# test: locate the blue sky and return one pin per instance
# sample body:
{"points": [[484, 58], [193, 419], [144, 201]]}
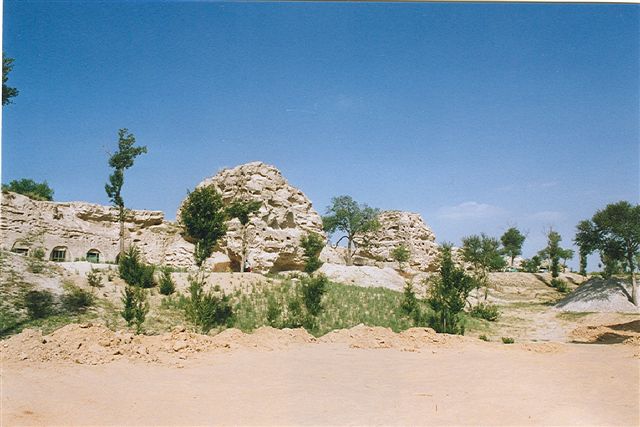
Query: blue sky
{"points": [[477, 116]]}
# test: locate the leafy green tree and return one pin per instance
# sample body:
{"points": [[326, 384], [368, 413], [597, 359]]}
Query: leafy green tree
{"points": [[587, 240], [448, 295], [552, 251], [203, 216], [565, 255], [30, 188], [353, 219], [243, 210], [120, 161], [401, 255], [512, 241], [312, 244], [484, 254], [616, 233], [7, 91], [135, 306]]}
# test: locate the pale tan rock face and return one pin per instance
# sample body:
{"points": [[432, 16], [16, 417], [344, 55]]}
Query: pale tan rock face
{"points": [[274, 233], [399, 228], [81, 228]]}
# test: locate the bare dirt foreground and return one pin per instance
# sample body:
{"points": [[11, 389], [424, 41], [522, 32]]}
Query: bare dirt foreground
{"points": [[361, 376]]}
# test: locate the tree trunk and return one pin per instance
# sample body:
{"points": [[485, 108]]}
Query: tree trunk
{"points": [[121, 231], [349, 260], [243, 258], [634, 284]]}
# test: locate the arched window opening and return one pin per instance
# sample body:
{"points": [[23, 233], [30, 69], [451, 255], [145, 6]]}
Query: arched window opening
{"points": [[59, 254], [93, 255]]}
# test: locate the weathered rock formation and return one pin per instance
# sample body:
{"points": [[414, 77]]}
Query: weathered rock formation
{"points": [[273, 234], [398, 228], [271, 241], [68, 231]]}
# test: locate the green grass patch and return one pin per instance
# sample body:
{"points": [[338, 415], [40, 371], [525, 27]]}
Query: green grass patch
{"points": [[344, 306]]}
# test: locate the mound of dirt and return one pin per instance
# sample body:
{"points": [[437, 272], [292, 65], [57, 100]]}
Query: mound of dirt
{"points": [[96, 344], [622, 333], [413, 339], [264, 338], [598, 295]]}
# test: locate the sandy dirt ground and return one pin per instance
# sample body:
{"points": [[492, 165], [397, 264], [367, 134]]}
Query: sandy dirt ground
{"points": [[331, 383]]}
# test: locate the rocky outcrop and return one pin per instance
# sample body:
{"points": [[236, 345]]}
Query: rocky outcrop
{"points": [[273, 234], [398, 228], [78, 230]]}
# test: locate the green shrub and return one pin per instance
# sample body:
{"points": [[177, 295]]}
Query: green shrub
{"points": [[274, 311], [76, 300], [411, 305], [39, 304], [532, 265], [312, 244], [401, 254], [135, 306], [35, 261], [134, 271], [167, 286], [485, 311], [448, 295], [483, 338], [313, 288], [560, 285], [38, 253], [30, 188], [94, 278], [207, 309], [508, 340]]}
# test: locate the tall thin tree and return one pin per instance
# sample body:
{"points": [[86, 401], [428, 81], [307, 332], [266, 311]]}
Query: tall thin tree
{"points": [[120, 161]]}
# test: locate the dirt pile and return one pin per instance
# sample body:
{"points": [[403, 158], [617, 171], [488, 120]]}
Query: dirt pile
{"points": [[413, 339], [622, 333], [96, 344], [600, 295]]}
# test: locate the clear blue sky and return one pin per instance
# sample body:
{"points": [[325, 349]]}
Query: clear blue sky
{"points": [[477, 116]]}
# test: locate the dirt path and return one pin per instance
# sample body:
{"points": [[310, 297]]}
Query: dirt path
{"points": [[331, 384]]}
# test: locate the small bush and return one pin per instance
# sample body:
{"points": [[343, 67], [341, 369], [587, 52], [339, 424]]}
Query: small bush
{"points": [[401, 254], [485, 311], [76, 300], [559, 285], [94, 278], [38, 253], [206, 309], [136, 307], [312, 244], [134, 271], [411, 306], [508, 340], [167, 286], [35, 262], [483, 338], [274, 311], [39, 304], [313, 288]]}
